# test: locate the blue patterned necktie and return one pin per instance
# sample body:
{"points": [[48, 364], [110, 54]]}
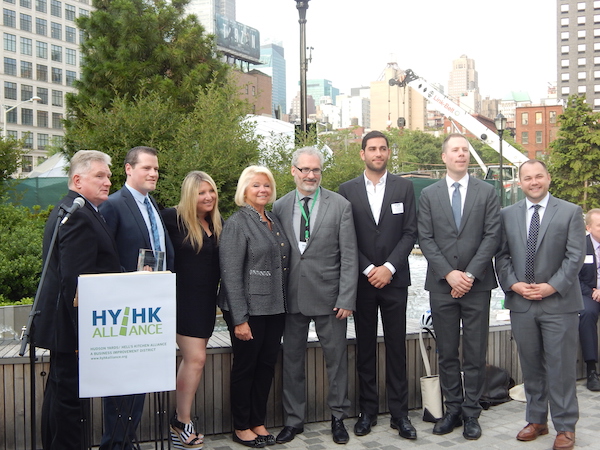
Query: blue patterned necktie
{"points": [[456, 204], [534, 229], [153, 226]]}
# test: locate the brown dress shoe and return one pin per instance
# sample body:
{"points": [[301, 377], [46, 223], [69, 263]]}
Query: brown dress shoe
{"points": [[565, 440], [532, 431]]}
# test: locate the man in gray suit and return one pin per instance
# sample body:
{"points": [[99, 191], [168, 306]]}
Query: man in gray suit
{"points": [[321, 287], [459, 233], [542, 250]]}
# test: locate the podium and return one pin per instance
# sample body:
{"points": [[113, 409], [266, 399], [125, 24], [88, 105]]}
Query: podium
{"points": [[127, 341]]}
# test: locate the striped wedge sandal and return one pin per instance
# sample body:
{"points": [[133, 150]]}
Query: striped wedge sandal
{"points": [[184, 436]]}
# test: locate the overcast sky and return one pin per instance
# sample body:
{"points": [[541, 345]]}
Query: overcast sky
{"points": [[513, 42]]}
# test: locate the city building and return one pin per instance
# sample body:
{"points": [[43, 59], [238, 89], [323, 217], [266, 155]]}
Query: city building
{"points": [[41, 59], [463, 84], [319, 88], [390, 103], [311, 108], [578, 50], [536, 127], [207, 10], [509, 104], [272, 60], [238, 43], [354, 111], [328, 113], [490, 107], [256, 88]]}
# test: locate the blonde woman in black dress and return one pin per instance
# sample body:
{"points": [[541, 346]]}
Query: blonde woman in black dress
{"points": [[194, 227]]}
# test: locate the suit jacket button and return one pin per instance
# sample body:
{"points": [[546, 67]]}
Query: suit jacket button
{"points": [[282, 244]]}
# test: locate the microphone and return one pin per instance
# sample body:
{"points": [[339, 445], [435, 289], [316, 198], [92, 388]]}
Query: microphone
{"points": [[77, 203]]}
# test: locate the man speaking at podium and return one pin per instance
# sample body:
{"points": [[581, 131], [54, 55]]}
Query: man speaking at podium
{"points": [[84, 245]]}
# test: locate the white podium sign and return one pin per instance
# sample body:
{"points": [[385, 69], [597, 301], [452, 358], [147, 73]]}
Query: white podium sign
{"points": [[126, 333]]}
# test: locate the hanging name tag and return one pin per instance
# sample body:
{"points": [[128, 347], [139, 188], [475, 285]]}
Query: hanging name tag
{"points": [[397, 208], [301, 246]]}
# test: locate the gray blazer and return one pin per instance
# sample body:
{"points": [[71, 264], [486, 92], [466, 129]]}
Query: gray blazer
{"points": [[470, 248], [559, 256], [254, 266], [324, 276]]}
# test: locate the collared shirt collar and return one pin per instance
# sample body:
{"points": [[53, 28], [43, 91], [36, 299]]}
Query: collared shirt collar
{"points": [[381, 181], [136, 194], [464, 181], [543, 202]]}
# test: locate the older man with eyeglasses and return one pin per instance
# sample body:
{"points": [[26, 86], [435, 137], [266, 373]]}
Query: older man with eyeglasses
{"points": [[321, 288]]}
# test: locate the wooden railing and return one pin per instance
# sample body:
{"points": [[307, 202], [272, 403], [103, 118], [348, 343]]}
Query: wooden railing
{"points": [[213, 399]]}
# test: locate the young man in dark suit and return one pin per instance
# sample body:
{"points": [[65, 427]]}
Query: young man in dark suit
{"points": [[132, 215], [589, 280], [459, 233], [542, 251], [385, 219], [84, 245]]}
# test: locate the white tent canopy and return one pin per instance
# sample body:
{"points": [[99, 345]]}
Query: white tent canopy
{"points": [[55, 166]]}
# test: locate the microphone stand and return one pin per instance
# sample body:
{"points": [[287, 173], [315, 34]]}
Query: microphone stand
{"points": [[28, 333]]}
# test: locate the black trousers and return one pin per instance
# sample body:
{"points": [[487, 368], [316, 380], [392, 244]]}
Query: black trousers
{"points": [[253, 368], [588, 328], [391, 301], [62, 410]]}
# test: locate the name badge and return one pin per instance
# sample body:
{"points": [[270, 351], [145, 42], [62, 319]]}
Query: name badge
{"points": [[301, 246], [589, 259], [397, 208]]}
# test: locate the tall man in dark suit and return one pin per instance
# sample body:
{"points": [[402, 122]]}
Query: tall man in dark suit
{"points": [[84, 245], [542, 251], [385, 218], [459, 233], [321, 287], [132, 215], [589, 280]]}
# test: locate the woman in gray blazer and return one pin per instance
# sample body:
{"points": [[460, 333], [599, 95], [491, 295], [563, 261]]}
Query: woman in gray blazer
{"points": [[254, 255]]}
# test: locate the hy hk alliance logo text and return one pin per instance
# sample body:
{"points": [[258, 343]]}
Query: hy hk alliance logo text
{"points": [[111, 323]]}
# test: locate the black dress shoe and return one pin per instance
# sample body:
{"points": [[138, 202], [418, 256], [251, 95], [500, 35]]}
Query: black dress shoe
{"points": [[447, 423], [269, 439], [593, 383], [288, 434], [363, 425], [472, 429], [404, 427], [254, 443], [338, 431]]}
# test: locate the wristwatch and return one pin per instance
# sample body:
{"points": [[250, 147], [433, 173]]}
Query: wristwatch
{"points": [[470, 275]]}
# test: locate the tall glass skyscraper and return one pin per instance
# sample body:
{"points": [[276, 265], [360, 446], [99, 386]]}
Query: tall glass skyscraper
{"points": [[273, 64]]}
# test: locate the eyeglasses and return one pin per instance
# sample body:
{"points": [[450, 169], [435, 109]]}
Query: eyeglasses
{"points": [[306, 170]]}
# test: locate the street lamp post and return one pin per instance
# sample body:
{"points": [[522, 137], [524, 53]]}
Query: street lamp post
{"points": [[302, 6], [8, 109], [500, 123]]}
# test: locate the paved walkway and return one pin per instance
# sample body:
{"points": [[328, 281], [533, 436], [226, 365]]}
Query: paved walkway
{"points": [[500, 425]]}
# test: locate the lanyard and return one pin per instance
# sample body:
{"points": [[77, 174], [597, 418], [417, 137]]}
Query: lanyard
{"points": [[307, 218]]}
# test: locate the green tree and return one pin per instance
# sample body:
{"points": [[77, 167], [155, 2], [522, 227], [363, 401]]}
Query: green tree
{"points": [[21, 233], [212, 137], [11, 152], [134, 47], [150, 76], [574, 161]]}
